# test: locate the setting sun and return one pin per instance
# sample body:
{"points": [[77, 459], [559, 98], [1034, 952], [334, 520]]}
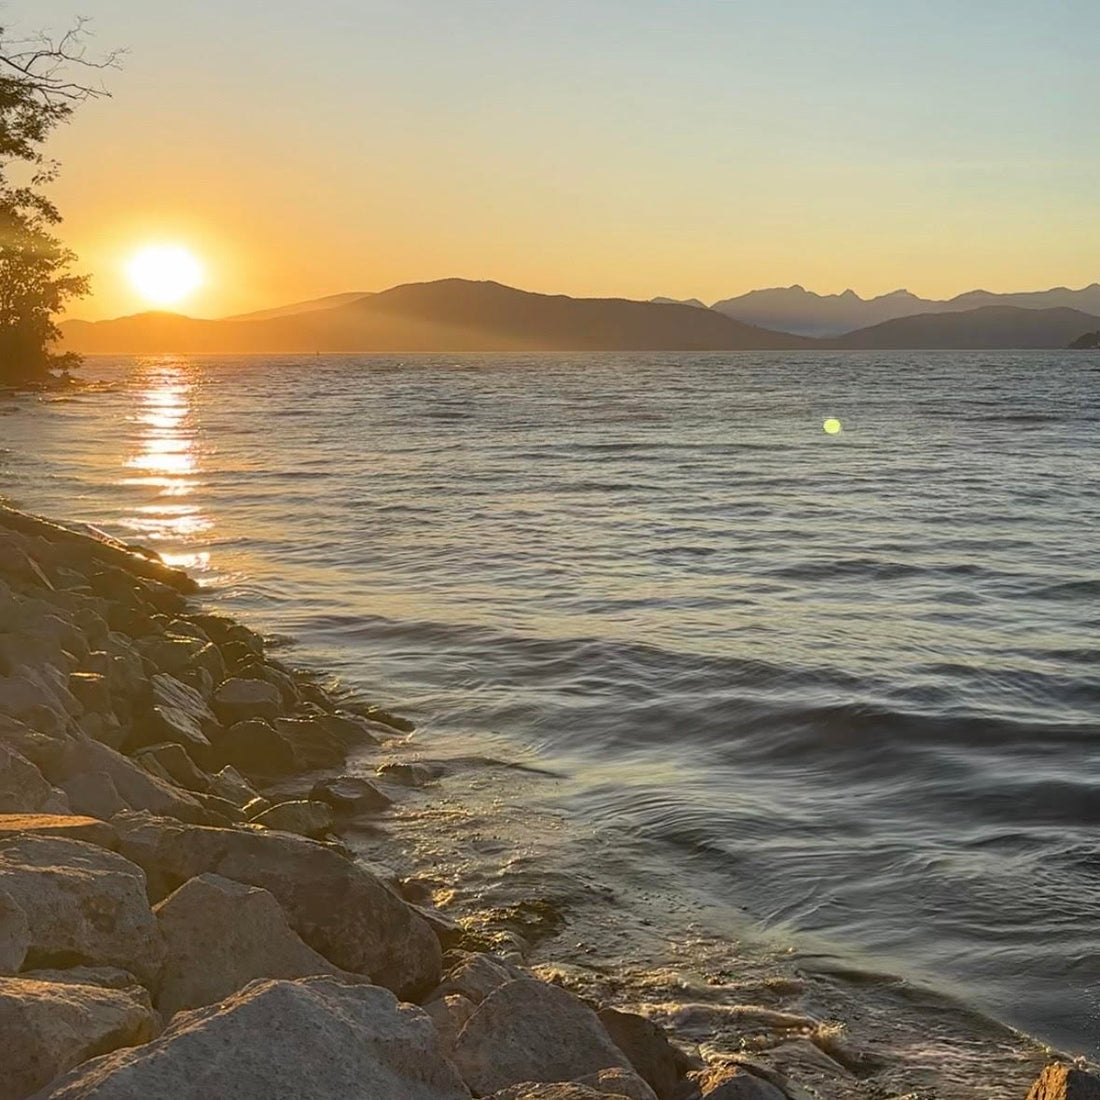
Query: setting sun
{"points": [[164, 274]]}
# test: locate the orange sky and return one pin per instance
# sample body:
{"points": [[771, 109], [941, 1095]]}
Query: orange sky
{"points": [[597, 148]]}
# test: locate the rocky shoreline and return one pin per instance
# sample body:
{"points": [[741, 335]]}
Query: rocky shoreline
{"points": [[180, 917]]}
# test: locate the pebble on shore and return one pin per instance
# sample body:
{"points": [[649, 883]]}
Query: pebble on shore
{"points": [[171, 927]]}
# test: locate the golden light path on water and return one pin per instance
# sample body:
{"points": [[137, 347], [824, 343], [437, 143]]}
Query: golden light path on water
{"points": [[167, 461]]}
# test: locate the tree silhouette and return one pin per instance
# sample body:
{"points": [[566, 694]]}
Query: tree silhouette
{"points": [[37, 93]]}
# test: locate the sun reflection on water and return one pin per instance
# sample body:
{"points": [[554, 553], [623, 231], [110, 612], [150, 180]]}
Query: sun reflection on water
{"points": [[165, 467]]}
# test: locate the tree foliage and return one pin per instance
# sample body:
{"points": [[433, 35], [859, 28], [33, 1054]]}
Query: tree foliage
{"points": [[37, 93]]}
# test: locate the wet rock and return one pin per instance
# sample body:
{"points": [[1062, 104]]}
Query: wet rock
{"points": [[354, 730], [239, 700], [449, 1015], [219, 935], [176, 765], [407, 775], [647, 1047], [50, 1027], [314, 745], [530, 1031], [255, 747], [736, 1083], [477, 975], [314, 1039], [23, 788], [84, 904], [67, 826], [15, 936], [1059, 1081], [300, 816], [447, 930], [382, 717], [94, 794], [340, 909], [350, 794]]}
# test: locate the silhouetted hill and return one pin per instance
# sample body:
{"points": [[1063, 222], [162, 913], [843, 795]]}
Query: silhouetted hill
{"points": [[1086, 341], [988, 327], [451, 315], [331, 301], [795, 309]]}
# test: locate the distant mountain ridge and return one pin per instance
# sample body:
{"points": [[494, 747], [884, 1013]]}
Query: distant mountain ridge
{"points": [[802, 312], [450, 315]]}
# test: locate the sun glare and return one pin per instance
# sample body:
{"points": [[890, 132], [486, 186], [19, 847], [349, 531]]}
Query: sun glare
{"points": [[165, 273]]}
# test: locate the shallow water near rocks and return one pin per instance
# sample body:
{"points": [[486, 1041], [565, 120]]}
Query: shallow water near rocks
{"points": [[833, 698]]}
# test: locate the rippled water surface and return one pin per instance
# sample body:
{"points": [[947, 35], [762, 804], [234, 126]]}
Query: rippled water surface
{"points": [[846, 683]]}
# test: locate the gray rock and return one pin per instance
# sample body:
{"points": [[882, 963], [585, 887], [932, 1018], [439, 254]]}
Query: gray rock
{"points": [[107, 977], [94, 794], [1059, 1081], [340, 909], [15, 936], [645, 1044], [228, 783], [92, 690], [238, 700], [256, 748], [178, 713], [350, 794], [618, 1082], [736, 1083], [219, 935], [138, 789], [314, 744], [300, 816], [449, 1015], [84, 905], [23, 788], [314, 1039], [50, 1027], [176, 765], [559, 1090], [478, 975], [530, 1031]]}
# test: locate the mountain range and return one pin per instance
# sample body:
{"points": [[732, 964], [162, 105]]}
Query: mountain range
{"points": [[797, 310], [458, 315]]}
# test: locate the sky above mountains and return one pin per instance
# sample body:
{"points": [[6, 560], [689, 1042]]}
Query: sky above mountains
{"points": [[604, 147]]}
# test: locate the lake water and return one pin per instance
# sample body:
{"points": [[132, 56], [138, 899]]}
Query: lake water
{"points": [[847, 684]]}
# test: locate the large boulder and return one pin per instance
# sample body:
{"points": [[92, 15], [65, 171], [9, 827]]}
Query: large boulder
{"points": [[449, 1015], [653, 1057], [338, 907], [94, 794], [238, 700], [531, 1031], [49, 1027], [477, 975], [84, 905], [15, 936], [23, 789], [257, 748], [219, 935], [1059, 1081], [177, 713], [314, 1039]]}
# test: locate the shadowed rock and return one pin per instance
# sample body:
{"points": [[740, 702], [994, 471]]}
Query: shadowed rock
{"points": [[238, 700], [301, 816], [653, 1057]]}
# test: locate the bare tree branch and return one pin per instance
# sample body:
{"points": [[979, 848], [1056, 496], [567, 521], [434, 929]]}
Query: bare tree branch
{"points": [[45, 63]]}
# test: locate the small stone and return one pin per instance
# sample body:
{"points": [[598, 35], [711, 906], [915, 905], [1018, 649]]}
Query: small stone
{"points": [[407, 775]]}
